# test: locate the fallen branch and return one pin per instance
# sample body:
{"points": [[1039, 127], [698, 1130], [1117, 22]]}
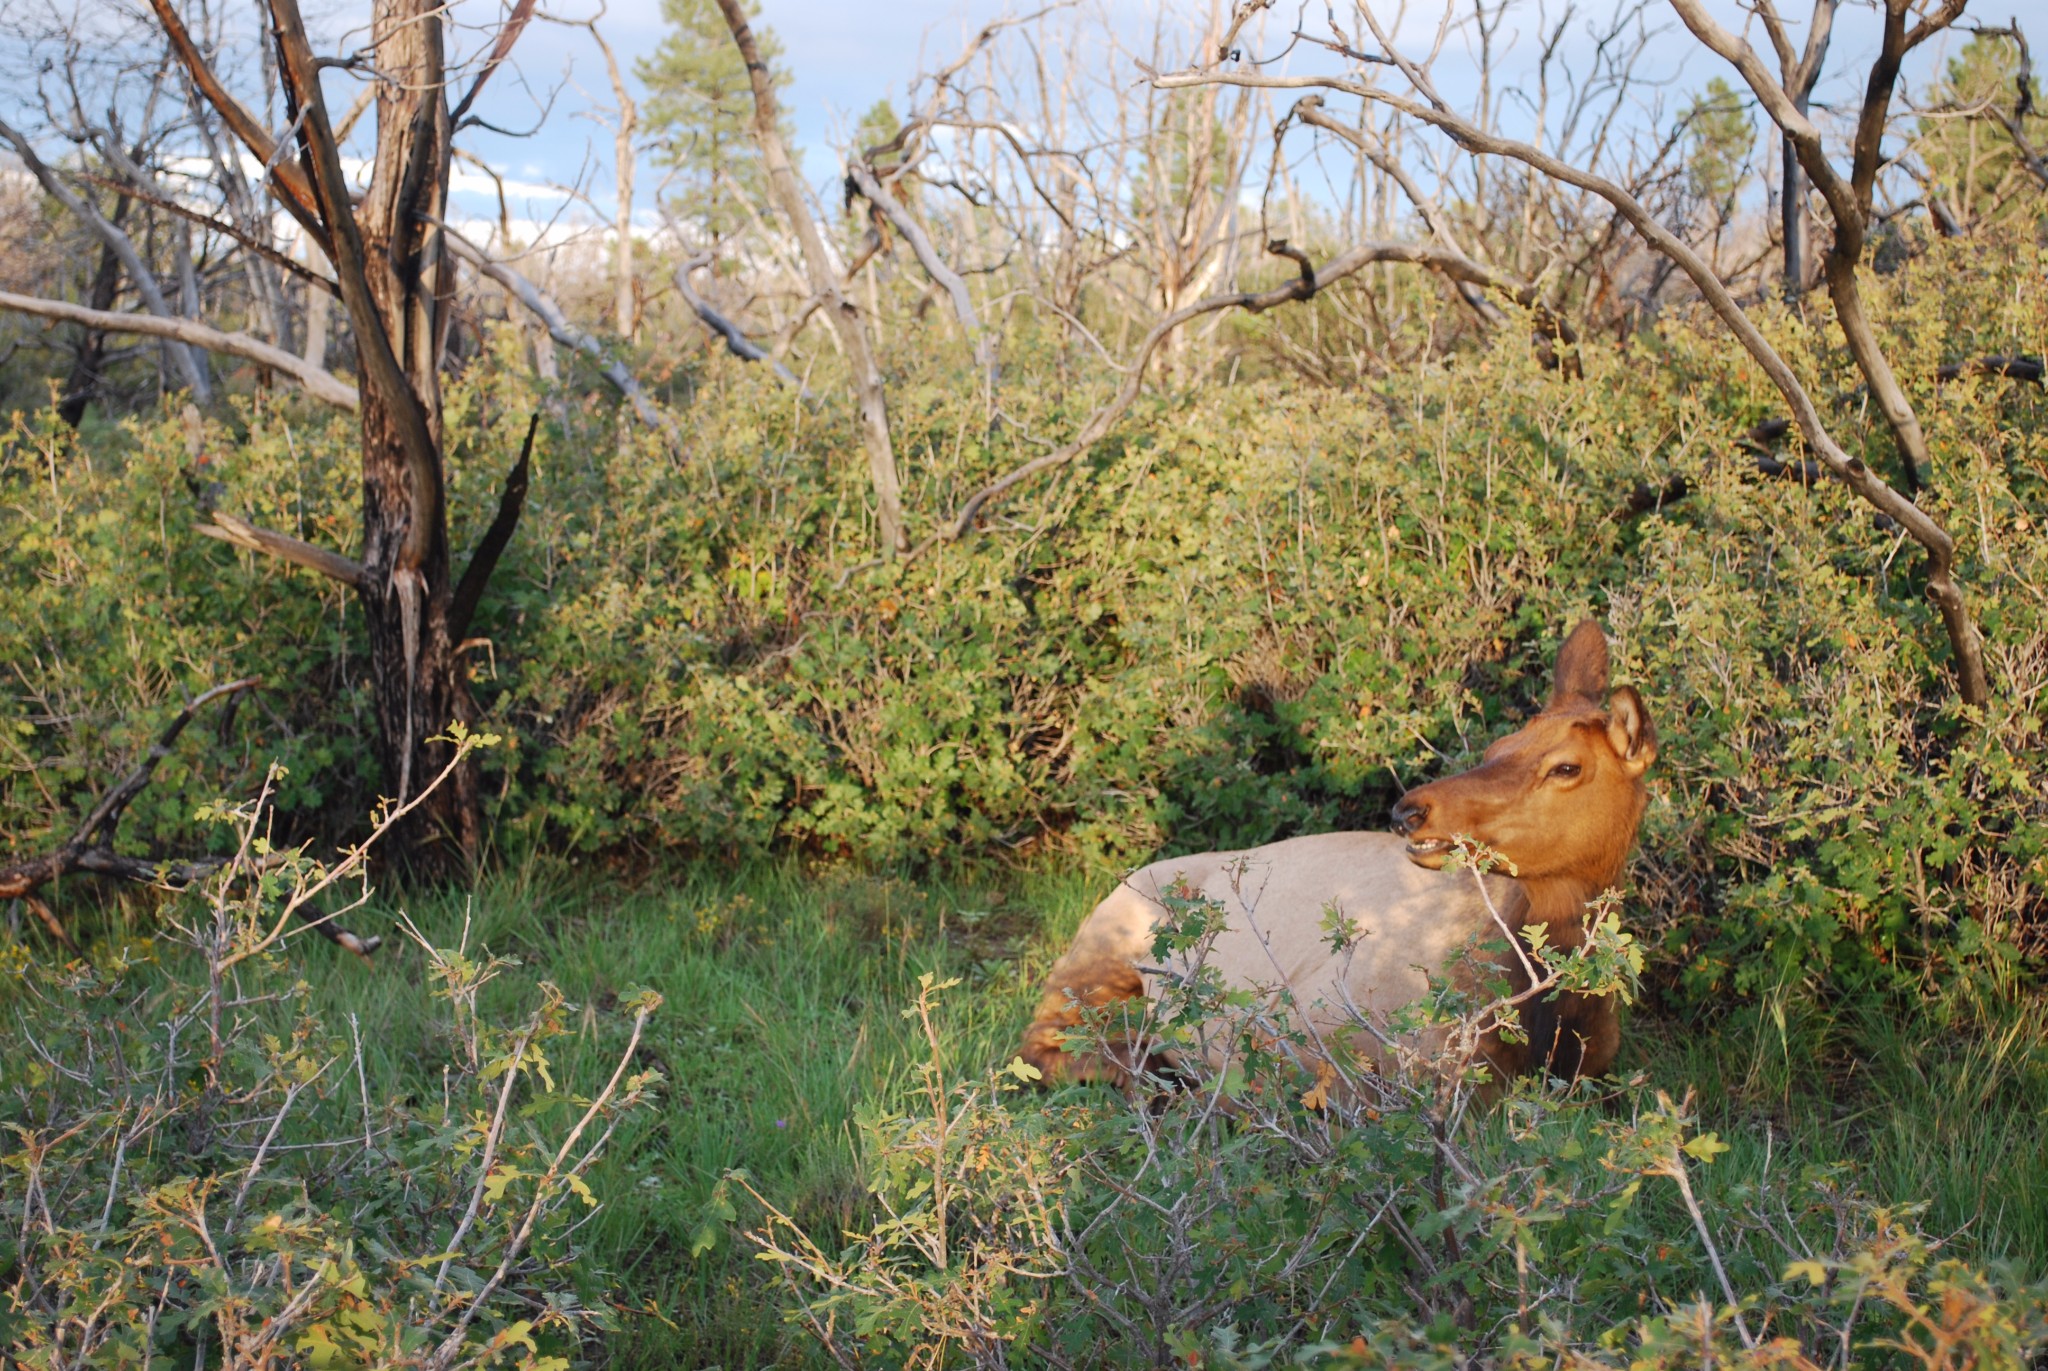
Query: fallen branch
{"points": [[2015, 368], [90, 850], [1758, 443], [543, 307], [321, 385], [736, 342]]}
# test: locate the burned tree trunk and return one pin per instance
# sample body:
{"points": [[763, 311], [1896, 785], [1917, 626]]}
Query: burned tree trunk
{"points": [[396, 280], [406, 582]]}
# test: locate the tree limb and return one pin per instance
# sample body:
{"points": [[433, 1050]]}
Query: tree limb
{"points": [[228, 529], [1972, 683], [90, 849], [156, 197], [736, 342], [846, 321], [191, 366], [1757, 443], [864, 180], [2016, 368], [321, 385], [287, 178], [543, 306], [469, 592], [1301, 287], [515, 24]]}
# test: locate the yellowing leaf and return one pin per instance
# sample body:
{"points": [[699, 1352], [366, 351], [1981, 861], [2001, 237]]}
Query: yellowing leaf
{"points": [[1705, 1147], [1317, 1096]]}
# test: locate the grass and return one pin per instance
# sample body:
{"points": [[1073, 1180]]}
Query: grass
{"points": [[784, 986], [782, 989]]}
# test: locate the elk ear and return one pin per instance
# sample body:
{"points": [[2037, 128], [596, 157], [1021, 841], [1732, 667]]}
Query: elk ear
{"points": [[1581, 666], [1630, 732]]}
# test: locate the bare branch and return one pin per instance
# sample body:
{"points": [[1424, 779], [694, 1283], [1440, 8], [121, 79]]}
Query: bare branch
{"points": [[484, 561], [864, 179], [190, 365], [90, 850], [1854, 471], [846, 321], [228, 529], [515, 24], [543, 306], [286, 177], [736, 342], [321, 385], [1302, 287]]}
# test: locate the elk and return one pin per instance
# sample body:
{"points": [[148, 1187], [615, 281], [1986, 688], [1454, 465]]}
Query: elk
{"points": [[1559, 799]]}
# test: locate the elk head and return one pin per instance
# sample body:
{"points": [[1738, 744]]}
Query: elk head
{"points": [[1560, 797]]}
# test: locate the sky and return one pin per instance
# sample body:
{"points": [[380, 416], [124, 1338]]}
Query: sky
{"points": [[846, 54]]}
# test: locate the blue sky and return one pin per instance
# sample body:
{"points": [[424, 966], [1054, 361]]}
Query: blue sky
{"points": [[845, 56]]}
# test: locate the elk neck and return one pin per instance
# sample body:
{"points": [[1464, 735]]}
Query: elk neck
{"points": [[1559, 903]]}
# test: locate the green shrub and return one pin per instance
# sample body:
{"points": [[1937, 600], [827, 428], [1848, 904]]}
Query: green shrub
{"points": [[196, 1170], [1257, 610], [1270, 1213]]}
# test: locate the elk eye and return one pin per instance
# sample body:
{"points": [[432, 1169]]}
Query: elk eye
{"points": [[1565, 770]]}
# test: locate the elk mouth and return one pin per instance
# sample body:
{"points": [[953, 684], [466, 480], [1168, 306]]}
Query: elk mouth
{"points": [[1429, 852]]}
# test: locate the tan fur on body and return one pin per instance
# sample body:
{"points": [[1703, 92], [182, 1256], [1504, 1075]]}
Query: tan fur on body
{"points": [[1560, 799]]}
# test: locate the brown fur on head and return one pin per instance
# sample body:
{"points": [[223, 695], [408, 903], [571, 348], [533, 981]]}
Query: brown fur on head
{"points": [[1561, 797]]}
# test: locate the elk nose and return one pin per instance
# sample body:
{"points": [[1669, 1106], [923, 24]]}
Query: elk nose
{"points": [[1410, 815]]}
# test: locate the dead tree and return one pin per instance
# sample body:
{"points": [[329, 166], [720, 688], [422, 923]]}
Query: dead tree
{"points": [[1848, 199], [395, 276], [825, 287]]}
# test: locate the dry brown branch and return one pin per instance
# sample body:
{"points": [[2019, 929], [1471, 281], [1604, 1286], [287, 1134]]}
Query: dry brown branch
{"points": [[321, 385], [1756, 445], [228, 529], [1849, 203], [508, 34], [287, 178], [156, 197]]}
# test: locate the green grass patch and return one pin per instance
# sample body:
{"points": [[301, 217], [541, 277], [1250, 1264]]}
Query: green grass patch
{"points": [[785, 986]]}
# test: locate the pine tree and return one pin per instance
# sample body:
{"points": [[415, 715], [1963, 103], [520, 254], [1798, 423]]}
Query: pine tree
{"points": [[701, 105], [1972, 164]]}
